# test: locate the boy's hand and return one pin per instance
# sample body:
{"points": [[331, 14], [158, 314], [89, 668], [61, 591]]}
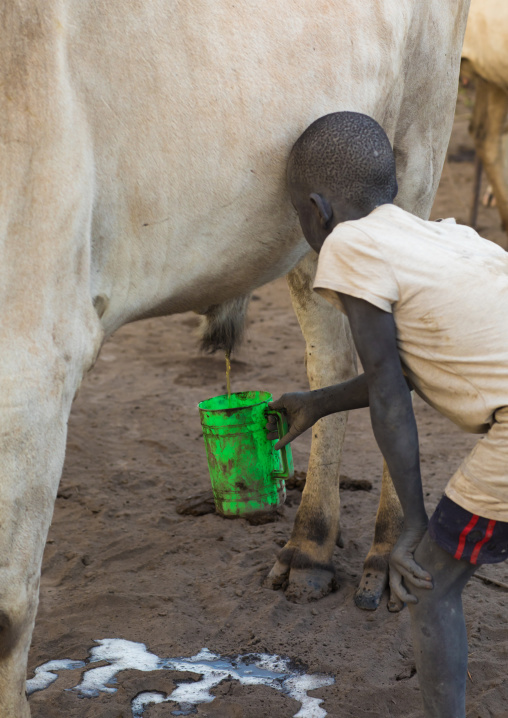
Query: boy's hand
{"points": [[302, 413], [403, 565]]}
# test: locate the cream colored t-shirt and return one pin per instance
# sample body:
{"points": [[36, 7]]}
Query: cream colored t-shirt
{"points": [[448, 291]]}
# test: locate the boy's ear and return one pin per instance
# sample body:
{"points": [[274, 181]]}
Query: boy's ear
{"points": [[322, 207]]}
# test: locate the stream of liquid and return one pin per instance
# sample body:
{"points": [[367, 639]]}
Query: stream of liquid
{"points": [[228, 376]]}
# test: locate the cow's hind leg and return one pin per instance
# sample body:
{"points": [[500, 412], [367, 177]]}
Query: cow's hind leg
{"points": [[389, 521], [487, 124], [304, 567]]}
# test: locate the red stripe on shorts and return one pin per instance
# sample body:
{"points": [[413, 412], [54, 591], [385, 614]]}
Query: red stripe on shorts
{"points": [[462, 537], [488, 534]]}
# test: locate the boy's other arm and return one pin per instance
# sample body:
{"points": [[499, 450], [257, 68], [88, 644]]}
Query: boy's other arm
{"points": [[393, 422]]}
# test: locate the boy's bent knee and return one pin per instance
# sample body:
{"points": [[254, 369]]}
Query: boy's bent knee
{"points": [[449, 575]]}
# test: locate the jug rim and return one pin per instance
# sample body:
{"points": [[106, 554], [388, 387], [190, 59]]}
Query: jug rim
{"points": [[260, 392]]}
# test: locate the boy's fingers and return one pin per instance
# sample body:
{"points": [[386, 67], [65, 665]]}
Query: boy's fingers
{"points": [[399, 590], [272, 435], [283, 442], [395, 605], [408, 598], [408, 571], [417, 575], [287, 439], [419, 572], [277, 404], [418, 582]]}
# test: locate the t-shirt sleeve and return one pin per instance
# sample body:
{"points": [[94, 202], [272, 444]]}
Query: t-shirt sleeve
{"points": [[350, 262]]}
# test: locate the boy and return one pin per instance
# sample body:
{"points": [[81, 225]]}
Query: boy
{"points": [[428, 307]]}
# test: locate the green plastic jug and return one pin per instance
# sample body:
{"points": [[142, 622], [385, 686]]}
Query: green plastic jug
{"points": [[247, 473]]}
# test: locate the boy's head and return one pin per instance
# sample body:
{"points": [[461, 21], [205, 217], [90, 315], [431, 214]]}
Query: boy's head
{"points": [[340, 168]]}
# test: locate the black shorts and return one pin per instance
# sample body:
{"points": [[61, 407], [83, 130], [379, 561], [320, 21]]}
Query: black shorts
{"points": [[466, 536]]}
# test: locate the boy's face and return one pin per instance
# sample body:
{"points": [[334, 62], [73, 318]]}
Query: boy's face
{"points": [[314, 226], [320, 213]]}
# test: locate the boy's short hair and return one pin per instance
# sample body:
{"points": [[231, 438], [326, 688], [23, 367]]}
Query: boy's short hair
{"points": [[349, 153]]}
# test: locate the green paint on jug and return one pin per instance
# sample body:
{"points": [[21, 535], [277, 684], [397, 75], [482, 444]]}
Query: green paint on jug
{"points": [[247, 473]]}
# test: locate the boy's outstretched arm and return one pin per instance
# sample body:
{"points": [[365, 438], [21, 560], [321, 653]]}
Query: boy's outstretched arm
{"points": [[304, 408], [393, 422]]}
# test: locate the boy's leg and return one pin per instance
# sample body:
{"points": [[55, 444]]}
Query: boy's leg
{"points": [[439, 632], [459, 527]]}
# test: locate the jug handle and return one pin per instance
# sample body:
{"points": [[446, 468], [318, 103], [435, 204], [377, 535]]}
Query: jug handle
{"points": [[285, 453]]}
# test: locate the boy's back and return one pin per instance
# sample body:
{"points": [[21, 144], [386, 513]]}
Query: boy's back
{"points": [[448, 291]]}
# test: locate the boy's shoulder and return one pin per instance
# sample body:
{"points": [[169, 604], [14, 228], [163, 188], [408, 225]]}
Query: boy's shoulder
{"points": [[403, 238], [395, 225], [385, 223], [386, 217], [396, 215]]}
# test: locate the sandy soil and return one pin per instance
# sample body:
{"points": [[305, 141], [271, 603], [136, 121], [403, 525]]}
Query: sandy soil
{"points": [[120, 562]]}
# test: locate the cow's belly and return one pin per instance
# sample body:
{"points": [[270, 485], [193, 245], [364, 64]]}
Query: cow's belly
{"points": [[192, 110]]}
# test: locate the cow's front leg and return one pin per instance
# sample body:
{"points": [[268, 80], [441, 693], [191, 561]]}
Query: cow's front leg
{"points": [[32, 445], [38, 380], [304, 567], [389, 520]]}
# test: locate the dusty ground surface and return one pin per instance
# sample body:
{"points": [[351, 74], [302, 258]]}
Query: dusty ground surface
{"points": [[121, 563]]}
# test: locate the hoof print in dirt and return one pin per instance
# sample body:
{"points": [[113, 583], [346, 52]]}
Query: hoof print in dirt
{"points": [[203, 503], [197, 504], [265, 517], [347, 484]]}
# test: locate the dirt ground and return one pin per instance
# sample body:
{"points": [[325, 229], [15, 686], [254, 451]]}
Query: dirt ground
{"points": [[121, 563]]}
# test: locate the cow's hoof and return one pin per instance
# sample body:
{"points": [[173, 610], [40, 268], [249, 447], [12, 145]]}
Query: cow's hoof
{"points": [[301, 585], [307, 585], [278, 576], [370, 591]]}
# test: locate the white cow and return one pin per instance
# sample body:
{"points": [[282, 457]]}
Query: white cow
{"points": [[485, 58], [143, 151]]}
